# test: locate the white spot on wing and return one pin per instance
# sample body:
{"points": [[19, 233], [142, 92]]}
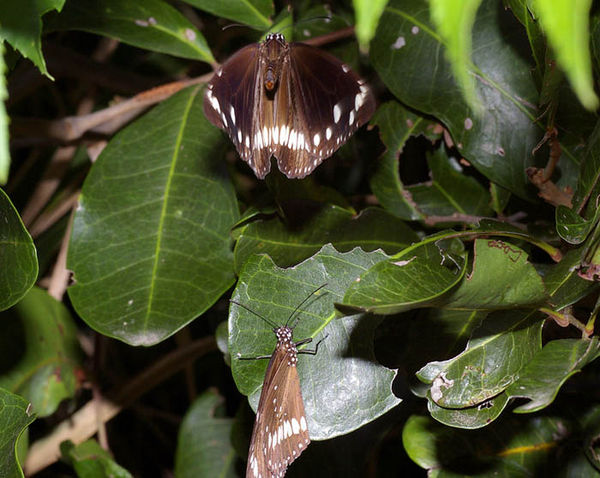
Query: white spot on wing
{"points": [[337, 113], [303, 423]]}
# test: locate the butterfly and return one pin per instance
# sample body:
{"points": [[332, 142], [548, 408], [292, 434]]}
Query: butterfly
{"points": [[288, 100], [280, 432]]}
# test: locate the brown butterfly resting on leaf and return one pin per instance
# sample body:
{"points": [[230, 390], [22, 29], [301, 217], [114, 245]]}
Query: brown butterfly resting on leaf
{"points": [[280, 431], [287, 100]]}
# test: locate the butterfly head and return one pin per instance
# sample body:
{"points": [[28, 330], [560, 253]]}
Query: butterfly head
{"points": [[286, 344]]}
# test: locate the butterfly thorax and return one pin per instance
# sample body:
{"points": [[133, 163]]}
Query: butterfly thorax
{"points": [[285, 343], [274, 51]]}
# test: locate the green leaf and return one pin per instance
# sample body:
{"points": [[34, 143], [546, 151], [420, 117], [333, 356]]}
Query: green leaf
{"points": [[502, 278], [565, 23], [150, 247], [90, 460], [418, 276], [450, 191], [588, 185], [563, 282], [396, 125], [492, 227], [518, 446], [343, 385], [367, 13], [21, 26], [454, 21], [254, 13], [448, 332], [572, 227], [542, 378], [485, 369], [409, 56], [149, 24], [289, 242], [204, 445], [39, 351], [17, 256], [15, 417], [470, 418], [4, 152]]}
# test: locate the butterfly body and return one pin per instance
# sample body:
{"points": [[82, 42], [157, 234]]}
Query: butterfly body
{"points": [[287, 100], [280, 431]]}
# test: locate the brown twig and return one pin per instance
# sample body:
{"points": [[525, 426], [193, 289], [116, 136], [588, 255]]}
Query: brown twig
{"points": [[59, 280], [71, 128]]}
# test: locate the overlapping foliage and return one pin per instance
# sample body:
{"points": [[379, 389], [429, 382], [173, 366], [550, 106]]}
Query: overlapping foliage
{"points": [[458, 238]]}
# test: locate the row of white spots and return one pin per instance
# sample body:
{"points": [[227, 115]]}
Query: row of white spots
{"points": [[284, 431]]}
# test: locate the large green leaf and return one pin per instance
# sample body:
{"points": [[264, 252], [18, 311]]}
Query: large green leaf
{"points": [[502, 278], [588, 185], [150, 24], [563, 283], [150, 247], [204, 444], [450, 191], [497, 351], [565, 23], [90, 460], [15, 417], [367, 13], [518, 446], [288, 244], [454, 21], [396, 125], [253, 13], [410, 58], [343, 386], [17, 256], [418, 276], [543, 377], [21, 26], [39, 351]]}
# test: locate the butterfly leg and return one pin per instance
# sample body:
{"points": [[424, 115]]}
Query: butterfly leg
{"points": [[310, 352]]}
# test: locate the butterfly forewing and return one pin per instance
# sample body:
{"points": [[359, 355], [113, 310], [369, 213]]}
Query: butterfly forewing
{"points": [[314, 105], [280, 432], [233, 102]]}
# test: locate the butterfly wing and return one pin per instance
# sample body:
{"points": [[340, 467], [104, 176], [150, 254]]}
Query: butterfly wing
{"points": [[280, 432], [233, 101], [322, 103]]}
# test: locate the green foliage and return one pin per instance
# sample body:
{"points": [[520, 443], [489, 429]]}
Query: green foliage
{"points": [[456, 240], [90, 460], [15, 417]]}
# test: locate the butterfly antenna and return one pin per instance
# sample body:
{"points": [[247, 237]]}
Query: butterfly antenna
{"points": [[302, 303], [231, 25], [272, 324]]}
